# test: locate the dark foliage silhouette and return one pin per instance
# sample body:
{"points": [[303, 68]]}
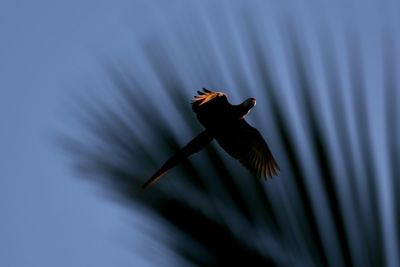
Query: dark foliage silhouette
{"points": [[324, 209]]}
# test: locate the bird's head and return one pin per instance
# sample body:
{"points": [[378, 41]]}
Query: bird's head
{"points": [[246, 106], [249, 103]]}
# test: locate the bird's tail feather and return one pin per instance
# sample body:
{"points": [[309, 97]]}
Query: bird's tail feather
{"points": [[194, 146]]}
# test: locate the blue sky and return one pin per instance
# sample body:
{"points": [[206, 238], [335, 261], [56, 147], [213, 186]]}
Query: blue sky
{"points": [[54, 52], [51, 52]]}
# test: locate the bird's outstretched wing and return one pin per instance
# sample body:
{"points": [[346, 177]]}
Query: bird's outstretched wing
{"points": [[214, 100], [194, 146], [211, 108], [245, 143]]}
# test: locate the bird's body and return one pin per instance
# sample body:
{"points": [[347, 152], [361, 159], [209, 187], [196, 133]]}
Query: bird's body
{"points": [[225, 123]]}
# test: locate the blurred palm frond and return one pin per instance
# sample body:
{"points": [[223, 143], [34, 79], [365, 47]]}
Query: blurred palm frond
{"points": [[335, 201]]}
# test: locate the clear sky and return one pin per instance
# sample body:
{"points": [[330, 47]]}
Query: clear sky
{"points": [[54, 52], [51, 52]]}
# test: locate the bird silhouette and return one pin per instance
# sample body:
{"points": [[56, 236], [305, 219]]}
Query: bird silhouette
{"points": [[226, 124]]}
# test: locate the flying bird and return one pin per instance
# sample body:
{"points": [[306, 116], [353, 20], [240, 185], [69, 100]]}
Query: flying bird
{"points": [[225, 123]]}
